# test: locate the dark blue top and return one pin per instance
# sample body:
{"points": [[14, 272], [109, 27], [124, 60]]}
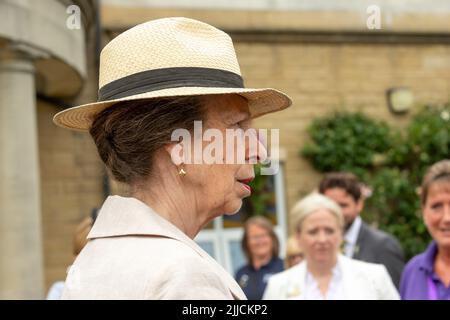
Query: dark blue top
{"points": [[253, 282], [414, 282]]}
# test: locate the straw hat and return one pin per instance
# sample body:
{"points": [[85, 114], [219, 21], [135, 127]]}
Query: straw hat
{"points": [[167, 58]]}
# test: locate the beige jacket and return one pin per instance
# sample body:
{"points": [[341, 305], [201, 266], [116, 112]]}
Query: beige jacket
{"points": [[133, 253]]}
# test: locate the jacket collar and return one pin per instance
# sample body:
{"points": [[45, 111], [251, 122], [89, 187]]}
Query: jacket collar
{"points": [[123, 216], [352, 234], [295, 281], [297, 278], [349, 278], [426, 264]]}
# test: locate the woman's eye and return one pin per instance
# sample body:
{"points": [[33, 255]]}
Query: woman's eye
{"points": [[329, 231], [312, 232], [436, 206], [246, 124]]}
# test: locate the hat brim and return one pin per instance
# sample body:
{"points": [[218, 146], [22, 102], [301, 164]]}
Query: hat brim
{"points": [[260, 101]]}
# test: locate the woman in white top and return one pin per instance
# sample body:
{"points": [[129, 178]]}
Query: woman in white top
{"points": [[325, 274]]}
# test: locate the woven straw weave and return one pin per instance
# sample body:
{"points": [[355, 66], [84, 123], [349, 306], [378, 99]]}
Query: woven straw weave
{"points": [[168, 43]]}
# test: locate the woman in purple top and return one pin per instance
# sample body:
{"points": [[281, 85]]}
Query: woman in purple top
{"points": [[427, 275]]}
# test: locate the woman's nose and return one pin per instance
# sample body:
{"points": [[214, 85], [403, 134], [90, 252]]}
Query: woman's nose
{"points": [[322, 237], [446, 216], [256, 150]]}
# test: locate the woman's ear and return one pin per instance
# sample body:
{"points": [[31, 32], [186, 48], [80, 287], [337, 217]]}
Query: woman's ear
{"points": [[179, 149], [360, 205], [176, 153]]}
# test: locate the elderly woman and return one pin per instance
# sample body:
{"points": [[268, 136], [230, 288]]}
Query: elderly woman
{"points": [[260, 245], [326, 274], [155, 79], [427, 275]]}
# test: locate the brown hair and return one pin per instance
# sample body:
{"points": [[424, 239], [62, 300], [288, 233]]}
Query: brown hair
{"points": [[128, 134], [80, 236], [265, 224], [437, 173], [342, 180]]}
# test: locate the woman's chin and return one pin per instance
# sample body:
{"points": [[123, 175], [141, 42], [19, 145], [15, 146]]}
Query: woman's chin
{"points": [[324, 257], [443, 242], [233, 208]]}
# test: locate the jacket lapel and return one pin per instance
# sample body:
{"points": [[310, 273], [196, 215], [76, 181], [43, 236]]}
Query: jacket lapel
{"points": [[350, 280], [295, 284]]}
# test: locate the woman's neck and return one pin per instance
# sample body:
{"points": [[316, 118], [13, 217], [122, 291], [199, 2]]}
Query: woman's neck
{"points": [[322, 272], [176, 207], [321, 269], [444, 255], [259, 261]]}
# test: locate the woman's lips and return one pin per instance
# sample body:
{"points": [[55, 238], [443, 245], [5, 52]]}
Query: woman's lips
{"points": [[247, 187], [245, 183]]}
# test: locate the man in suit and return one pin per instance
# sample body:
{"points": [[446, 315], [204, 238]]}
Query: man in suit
{"points": [[361, 241]]}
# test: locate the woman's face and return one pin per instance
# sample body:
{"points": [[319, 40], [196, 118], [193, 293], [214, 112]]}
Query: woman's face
{"points": [[222, 186], [259, 241], [320, 236], [436, 213]]}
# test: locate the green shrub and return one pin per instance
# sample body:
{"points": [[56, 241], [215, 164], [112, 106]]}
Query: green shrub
{"points": [[395, 208], [426, 141], [347, 142], [390, 161]]}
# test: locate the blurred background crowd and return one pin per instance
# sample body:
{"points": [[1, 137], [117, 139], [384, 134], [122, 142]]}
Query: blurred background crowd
{"points": [[357, 184]]}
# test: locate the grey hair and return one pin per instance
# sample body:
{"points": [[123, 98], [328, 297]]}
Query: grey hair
{"points": [[311, 204]]}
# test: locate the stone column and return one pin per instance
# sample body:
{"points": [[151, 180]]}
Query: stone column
{"points": [[21, 262]]}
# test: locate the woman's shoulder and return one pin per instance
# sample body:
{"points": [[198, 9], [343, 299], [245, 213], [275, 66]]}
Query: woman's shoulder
{"points": [[288, 274], [242, 270], [414, 264], [362, 267], [422, 261], [275, 266], [413, 279], [416, 261], [366, 275], [278, 264], [146, 251], [150, 267], [286, 283]]}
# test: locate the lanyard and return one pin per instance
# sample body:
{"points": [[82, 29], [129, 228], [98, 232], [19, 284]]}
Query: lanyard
{"points": [[432, 289]]}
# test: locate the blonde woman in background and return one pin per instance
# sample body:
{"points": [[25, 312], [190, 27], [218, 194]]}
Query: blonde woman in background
{"points": [[325, 274], [294, 253]]}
